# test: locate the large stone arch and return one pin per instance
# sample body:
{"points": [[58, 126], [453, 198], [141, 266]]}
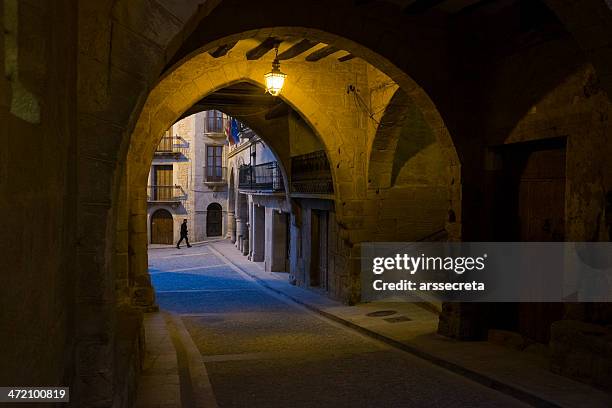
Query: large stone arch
{"points": [[349, 165], [413, 182]]}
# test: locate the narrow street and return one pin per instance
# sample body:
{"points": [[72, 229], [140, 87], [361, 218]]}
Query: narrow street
{"points": [[261, 350]]}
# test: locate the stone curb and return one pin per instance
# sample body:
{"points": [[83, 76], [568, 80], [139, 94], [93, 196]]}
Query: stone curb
{"points": [[508, 389]]}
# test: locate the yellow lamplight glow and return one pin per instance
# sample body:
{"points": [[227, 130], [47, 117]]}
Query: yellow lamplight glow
{"points": [[275, 79], [274, 82]]}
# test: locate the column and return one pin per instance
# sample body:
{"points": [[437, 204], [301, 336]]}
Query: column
{"points": [[143, 294], [259, 234], [250, 227], [275, 241], [231, 226], [239, 230]]}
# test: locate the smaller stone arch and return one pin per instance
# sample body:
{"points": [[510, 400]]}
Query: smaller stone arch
{"points": [[214, 220], [409, 165]]}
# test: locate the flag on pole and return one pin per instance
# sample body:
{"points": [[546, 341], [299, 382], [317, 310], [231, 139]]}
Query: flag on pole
{"points": [[228, 131], [234, 137]]}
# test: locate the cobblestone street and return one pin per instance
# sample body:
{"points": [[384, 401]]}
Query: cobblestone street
{"points": [[261, 350]]}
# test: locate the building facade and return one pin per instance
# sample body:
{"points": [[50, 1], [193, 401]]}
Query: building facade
{"points": [[188, 180], [280, 207]]}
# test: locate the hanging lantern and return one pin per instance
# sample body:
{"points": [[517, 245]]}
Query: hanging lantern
{"points": [[275, 79]]}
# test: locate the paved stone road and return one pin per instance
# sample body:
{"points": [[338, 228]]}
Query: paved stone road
{"points": [[261, 351]]}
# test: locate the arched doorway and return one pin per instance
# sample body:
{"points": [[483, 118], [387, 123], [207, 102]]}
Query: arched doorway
{"points": [[162, 228], [213, 220]]}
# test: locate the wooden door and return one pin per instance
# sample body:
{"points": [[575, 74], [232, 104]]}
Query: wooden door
{"points": [[541, 213], [163, 183], [541, 201], [528, 199], [162, 227], [213, 220]]}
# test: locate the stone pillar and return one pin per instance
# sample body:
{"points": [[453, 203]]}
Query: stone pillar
{"points": [[245, 239], [121, 262], [242, 232], [143, 294], [275, 242], [231, 226], [258, 229], [250, 228], [238, 232]]}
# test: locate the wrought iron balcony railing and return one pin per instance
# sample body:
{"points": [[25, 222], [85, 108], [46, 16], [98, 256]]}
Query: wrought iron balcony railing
{"points": [[263, 177], [214, 124], [172, 146], [215, 175], [166, 194], [311, 174]]}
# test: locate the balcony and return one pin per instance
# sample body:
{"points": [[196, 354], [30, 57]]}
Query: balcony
{"points": [[310, 174], [215, 176], [166, 194], [216, 126], [261, 177], [172, 146]]}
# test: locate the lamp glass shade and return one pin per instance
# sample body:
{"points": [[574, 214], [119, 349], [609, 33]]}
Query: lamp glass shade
{"points": [[275, 80]]}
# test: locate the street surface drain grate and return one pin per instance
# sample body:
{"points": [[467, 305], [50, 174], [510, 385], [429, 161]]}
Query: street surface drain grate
{"points": [[381, 313], [397, 319]]}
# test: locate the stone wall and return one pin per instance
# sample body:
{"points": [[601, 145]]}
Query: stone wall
{"points": [[38, 185]]}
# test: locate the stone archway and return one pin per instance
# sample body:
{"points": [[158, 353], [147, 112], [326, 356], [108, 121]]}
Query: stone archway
{"points": [[213, 220], [203, 74]]}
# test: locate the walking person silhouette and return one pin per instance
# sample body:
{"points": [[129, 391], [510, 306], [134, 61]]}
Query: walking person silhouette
{"points": [[183, 235]]}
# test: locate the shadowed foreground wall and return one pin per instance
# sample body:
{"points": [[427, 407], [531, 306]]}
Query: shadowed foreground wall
{"points": [[37, 192]]}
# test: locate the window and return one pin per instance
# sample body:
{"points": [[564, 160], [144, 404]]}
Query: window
{"points": [[214, 163], [214, 122]]}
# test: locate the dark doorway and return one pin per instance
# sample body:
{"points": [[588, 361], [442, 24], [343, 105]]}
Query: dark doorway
{"points": [[318, 248], [213, 220], [529, 206], [162, 227]]}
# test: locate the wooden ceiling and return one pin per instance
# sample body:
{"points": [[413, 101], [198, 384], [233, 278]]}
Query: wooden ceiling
{"points": [[315, 50], [242, 98]]}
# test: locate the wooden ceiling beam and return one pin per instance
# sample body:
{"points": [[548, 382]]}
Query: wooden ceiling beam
{"points": [[278, 111], [259, 51], [346, 57], [222, 50], [322, 53], [297, 49]]}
